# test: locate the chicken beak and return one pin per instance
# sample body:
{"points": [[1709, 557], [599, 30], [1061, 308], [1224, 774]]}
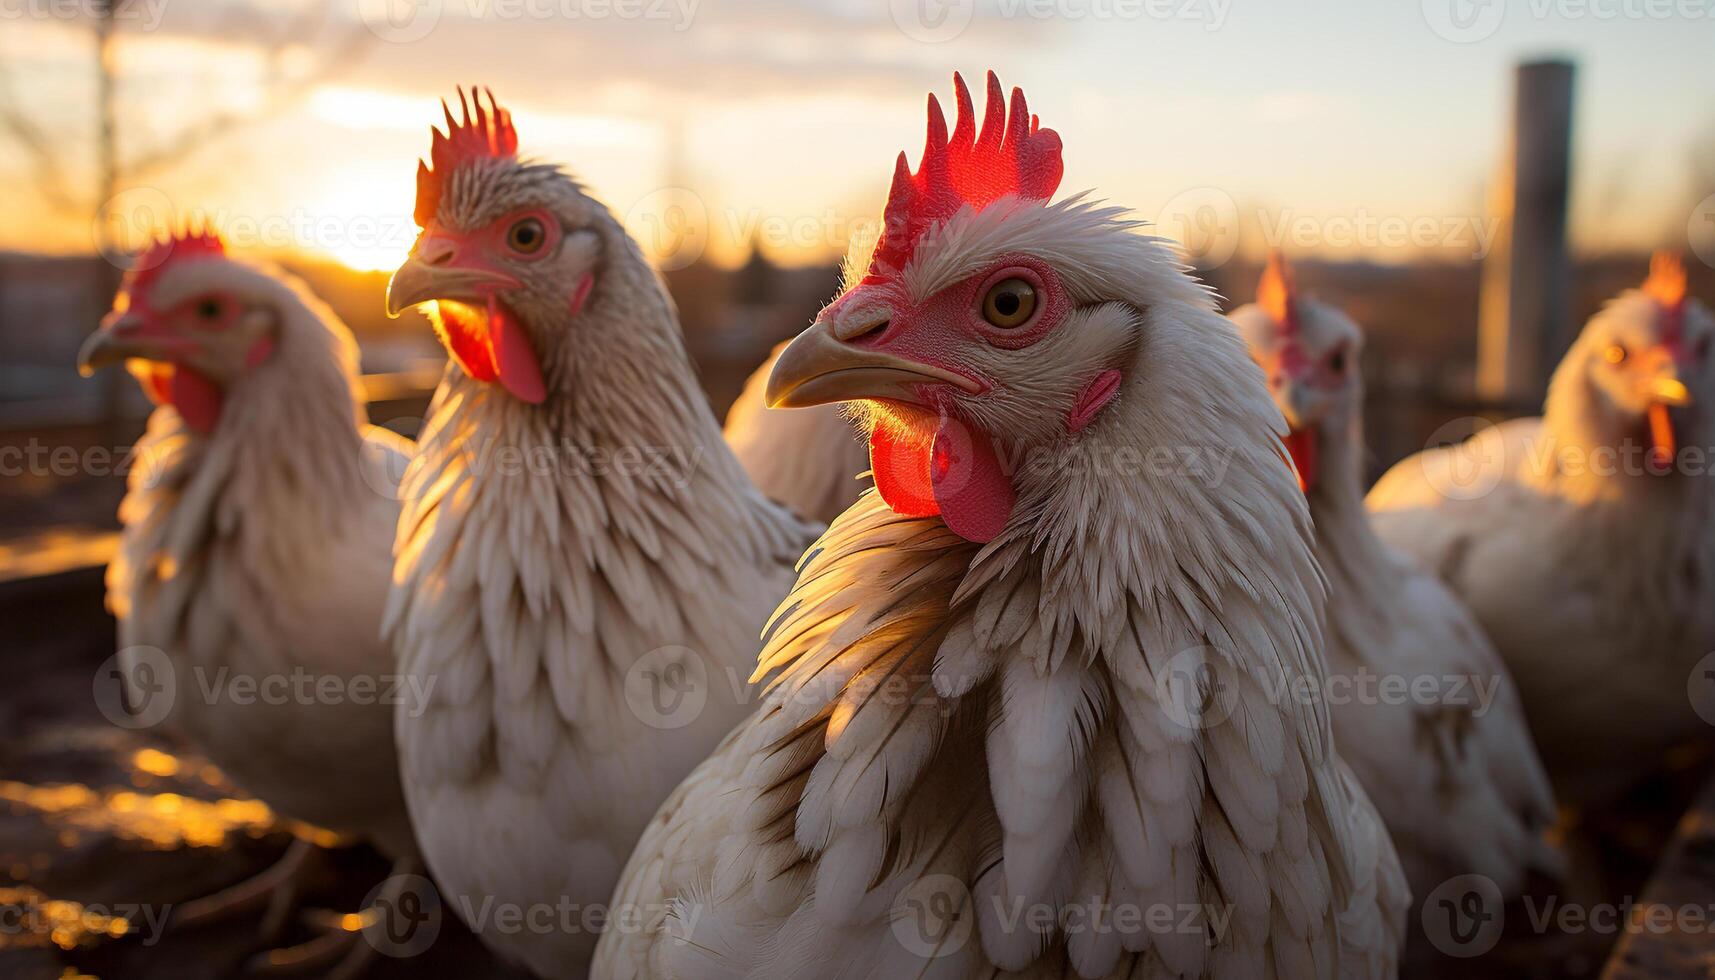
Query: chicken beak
{"points": [[120, 338], [431, 274], [1670, 391], [819, 368], [1290, 395]]}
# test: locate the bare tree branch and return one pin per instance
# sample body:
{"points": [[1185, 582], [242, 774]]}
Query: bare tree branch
{"points": [[47, 163], [283, 90], [283, 93]]}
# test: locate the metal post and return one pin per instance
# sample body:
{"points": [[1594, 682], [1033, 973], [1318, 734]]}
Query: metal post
{"points": [[1525, 318]]}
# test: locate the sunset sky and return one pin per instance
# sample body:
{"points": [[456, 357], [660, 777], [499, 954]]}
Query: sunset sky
{"points": [[1328, 126]]}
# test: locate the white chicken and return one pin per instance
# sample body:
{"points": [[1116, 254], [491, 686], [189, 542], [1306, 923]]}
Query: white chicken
{"points": [[1584, 540], [1423, 708], [256, 551], [810, 459], [1034, 708], [583, 566]]}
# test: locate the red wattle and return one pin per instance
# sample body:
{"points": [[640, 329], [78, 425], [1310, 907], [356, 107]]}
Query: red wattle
{"points": [[156, 379], [514, 360], [1302, 446], [466, 339], [957, 476], [970, 484], [197, 398], [1664, 440], [901, 471]]}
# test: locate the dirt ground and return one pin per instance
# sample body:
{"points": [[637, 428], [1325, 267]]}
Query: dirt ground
{"points": [[97, 821]]}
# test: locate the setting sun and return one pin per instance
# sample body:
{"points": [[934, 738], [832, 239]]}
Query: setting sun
{"points": [[361, 218]]}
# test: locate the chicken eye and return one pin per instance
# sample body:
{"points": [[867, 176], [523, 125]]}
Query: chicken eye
{"points": [[1615, 354], [1009, 304], [526, 236], [209, 309], [1337, 361]]}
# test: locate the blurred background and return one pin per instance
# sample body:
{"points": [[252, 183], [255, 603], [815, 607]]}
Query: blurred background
{"points": [[1470, 179]]}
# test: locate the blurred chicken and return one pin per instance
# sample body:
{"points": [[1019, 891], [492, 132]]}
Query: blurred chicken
{"points": [[1583, 540], [1024, 695], [257, 546], [808, 459], [582, 563], [1453, 772]]}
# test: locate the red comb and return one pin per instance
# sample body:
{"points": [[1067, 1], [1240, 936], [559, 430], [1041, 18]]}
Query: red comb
{"points": [[1277, 294], [969, 168], [1666, 285], [483, 134], [187, 243]]}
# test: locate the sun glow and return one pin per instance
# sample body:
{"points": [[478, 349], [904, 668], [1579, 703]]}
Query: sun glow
{"points": [[361, 218]]}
